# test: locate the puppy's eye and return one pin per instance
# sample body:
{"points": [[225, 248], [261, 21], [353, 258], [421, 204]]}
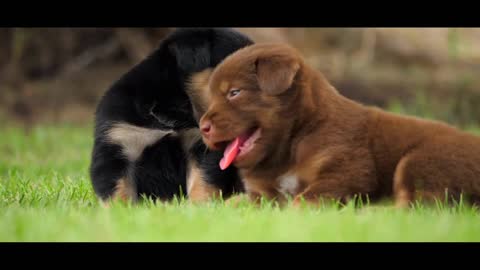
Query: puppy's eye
{"points": [[233, 93]]}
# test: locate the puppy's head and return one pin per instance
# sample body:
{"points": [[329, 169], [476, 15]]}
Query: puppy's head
{"points": [[171, 80], [252, 94], [196, 52]]}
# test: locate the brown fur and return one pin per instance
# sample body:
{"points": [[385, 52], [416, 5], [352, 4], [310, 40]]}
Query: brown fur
{"points": [[124, 191], [197, 89], [198, 189], [335, 147]]}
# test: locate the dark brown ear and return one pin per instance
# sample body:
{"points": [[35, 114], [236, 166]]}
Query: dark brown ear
{"points": [[275, 74]]}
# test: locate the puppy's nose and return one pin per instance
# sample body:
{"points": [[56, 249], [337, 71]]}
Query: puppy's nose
{"points": [[206, 127]]}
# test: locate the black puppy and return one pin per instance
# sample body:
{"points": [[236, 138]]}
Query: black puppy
{"points": [[146, 140]]}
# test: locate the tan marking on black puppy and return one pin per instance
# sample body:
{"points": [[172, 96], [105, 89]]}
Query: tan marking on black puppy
{"points": [[290, 132], [134, 139], [198, 189], [124, 191]]}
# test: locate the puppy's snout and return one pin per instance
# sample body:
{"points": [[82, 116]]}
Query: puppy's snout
{"points": [[206, 127]]}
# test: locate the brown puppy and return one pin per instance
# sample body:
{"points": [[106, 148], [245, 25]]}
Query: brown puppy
{"points": [[291, 133]]}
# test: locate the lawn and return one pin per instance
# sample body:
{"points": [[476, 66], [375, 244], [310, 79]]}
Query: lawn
{"points": [[45, 195]]}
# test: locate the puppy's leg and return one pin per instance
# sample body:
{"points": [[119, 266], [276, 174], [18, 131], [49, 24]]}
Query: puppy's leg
{"points": [[235, 200], [339, 174], [109, 173], [205, 180], [342, 178], [117, 147], [124, 190], [347, 182], [253, 198], [198, 189], [327, 189], [430, 174], [403, 186], [258, 190]]}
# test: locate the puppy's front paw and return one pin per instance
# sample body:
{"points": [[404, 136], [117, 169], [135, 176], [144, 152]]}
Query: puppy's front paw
{"points": [[298, 202], [236, 200], [104, 204]]}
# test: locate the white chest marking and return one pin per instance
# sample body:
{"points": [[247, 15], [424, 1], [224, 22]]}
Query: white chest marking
{"points": [[288, 184], [134, 139]]}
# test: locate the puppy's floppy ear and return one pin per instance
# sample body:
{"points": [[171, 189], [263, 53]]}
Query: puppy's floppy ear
{"points": [[275, 74]]}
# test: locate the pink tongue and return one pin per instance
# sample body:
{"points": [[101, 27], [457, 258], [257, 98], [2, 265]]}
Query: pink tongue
{"points": [[230, 153], [232, 150]]}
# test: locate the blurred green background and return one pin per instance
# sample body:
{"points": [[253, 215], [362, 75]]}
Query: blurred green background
{"points": [[58, 74]]}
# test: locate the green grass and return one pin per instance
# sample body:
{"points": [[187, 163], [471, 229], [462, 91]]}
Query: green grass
{"points": [[45, 195]]}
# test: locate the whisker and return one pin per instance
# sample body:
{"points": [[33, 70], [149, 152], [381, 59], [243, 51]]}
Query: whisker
{"points": [[161, 120], [205, 151]]}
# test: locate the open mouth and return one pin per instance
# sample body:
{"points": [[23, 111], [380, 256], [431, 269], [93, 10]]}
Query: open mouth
{"points": [[240, 146]]}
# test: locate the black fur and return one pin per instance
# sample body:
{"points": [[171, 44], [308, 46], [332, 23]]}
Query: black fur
{"points": [[152, 95]]}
